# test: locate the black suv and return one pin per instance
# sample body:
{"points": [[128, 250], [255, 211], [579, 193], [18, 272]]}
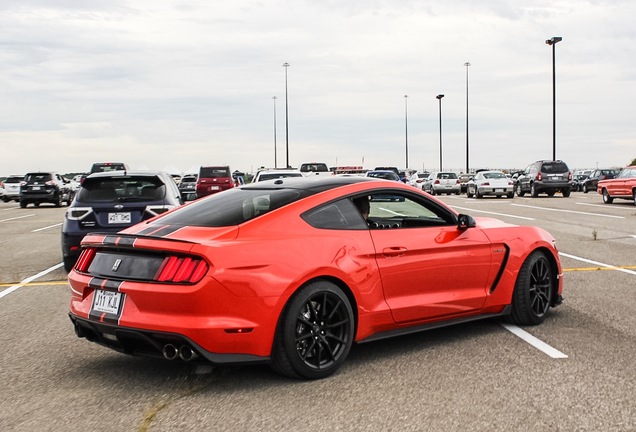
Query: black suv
{"points": [[45, 187], [546, 177]]}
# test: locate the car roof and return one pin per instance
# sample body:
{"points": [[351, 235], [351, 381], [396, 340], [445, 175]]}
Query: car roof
{"points": [[315, 183]]}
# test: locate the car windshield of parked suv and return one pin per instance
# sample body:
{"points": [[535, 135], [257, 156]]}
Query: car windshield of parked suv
{"points": [[37, 177], [232, 207], [122, 189], [554, 167], [214, 172]]}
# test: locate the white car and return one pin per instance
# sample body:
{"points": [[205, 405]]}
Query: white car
{"points": [[10, 188], [417, 179], [490, 183], [314, 168], [442, 182], [272, 174]]}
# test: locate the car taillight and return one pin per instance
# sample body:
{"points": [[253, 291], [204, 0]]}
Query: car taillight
{"points": [[485, 184], [539, 177], [157, 210], [180, 269], [569, 176], [50, 183], [436, 181], [78, 213], [85, 259]]}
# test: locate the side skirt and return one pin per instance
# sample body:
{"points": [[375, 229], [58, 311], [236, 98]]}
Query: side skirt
{"points": [[431, 326]]}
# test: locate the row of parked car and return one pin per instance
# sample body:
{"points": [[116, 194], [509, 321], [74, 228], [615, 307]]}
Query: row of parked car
{"points": [[540, 177]]}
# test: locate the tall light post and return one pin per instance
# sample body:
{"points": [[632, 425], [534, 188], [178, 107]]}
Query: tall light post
{"points": [[439, 98], [406, 130], [275, 161], [286, 65], [553, 41], [467, 64]]}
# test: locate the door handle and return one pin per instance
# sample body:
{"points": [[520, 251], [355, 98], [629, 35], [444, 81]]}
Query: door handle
{"points": [[394, 251]]}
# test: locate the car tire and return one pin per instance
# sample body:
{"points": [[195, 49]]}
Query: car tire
{"points": [[58, 200], [315, 332], [566, 193], [477, 194], [23, 204], [519, 191], [533, 291], [469, 193], [533, 191], [607, 199], [69, 263], [585, 188], [511, 195]]}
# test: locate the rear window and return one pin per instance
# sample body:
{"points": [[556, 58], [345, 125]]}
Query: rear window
{"points": [[13, 180], [122, 189], [37, 177], [554, 167], [314, 167], [272, 176], [214, 172], [232, 207], [446, 175], [189, 179], [108, 166]]}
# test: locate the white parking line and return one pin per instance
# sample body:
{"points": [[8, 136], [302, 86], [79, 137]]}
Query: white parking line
{"points": [[605, 206], [492, 213], [569, 211], [17, 217], [535, 342], [29, 279], [45, 228], [628, 271]]}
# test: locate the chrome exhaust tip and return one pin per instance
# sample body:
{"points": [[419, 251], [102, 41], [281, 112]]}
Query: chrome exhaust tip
{"points": [[186, 353], [170, 352]]}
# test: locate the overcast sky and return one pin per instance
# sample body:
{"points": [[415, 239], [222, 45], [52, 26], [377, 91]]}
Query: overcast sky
{"points": [[169, 84]]}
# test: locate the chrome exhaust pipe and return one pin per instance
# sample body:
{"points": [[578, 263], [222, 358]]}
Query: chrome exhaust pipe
{"points": [[186, 353], [170, 352]]}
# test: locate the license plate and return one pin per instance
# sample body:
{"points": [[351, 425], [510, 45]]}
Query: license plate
{"points": [[106, 301], [214, 187], [36, 187], [498, 190], [118, 218]]}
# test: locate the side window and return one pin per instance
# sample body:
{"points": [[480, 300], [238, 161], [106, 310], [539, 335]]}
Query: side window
{"points": [[402, 210], [338, 215]]}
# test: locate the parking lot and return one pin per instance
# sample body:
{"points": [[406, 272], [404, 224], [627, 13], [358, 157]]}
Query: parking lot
{"points": [[575, 372]]}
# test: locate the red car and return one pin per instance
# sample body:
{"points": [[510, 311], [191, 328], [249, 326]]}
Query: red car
{"points": [[291, 272], [622, 186]]}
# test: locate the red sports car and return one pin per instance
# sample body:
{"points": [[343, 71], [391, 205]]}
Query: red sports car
{"points": [[291, 272]]}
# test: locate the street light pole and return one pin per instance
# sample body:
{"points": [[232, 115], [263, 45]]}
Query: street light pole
{"points": [[275, 161], [406, 130], [467, 64], [439, 98], [553, 41], [286, 65]]}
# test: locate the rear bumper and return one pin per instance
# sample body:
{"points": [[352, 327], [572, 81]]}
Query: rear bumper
{"points": [[155, 344]]}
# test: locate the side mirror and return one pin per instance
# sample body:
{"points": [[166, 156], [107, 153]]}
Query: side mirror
{"points": [[465, 221]]}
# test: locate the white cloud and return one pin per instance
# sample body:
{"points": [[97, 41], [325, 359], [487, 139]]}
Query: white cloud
{"points": [[180, 83]]}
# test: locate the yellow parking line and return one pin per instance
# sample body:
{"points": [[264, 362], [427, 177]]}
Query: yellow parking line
{"points": [[35, 283]]}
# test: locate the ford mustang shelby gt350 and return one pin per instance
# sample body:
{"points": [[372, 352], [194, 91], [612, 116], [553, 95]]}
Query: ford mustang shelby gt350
{"points": [[292, 272]]}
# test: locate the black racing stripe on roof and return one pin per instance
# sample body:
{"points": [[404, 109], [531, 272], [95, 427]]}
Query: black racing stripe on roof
{"points": [[164, 231], [104, 284]]}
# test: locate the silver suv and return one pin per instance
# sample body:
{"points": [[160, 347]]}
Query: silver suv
{"points": [[546, 177]]}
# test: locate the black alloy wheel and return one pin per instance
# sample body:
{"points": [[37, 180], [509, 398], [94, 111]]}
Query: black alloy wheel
{"points": [[533, 291], [315, 333]]}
